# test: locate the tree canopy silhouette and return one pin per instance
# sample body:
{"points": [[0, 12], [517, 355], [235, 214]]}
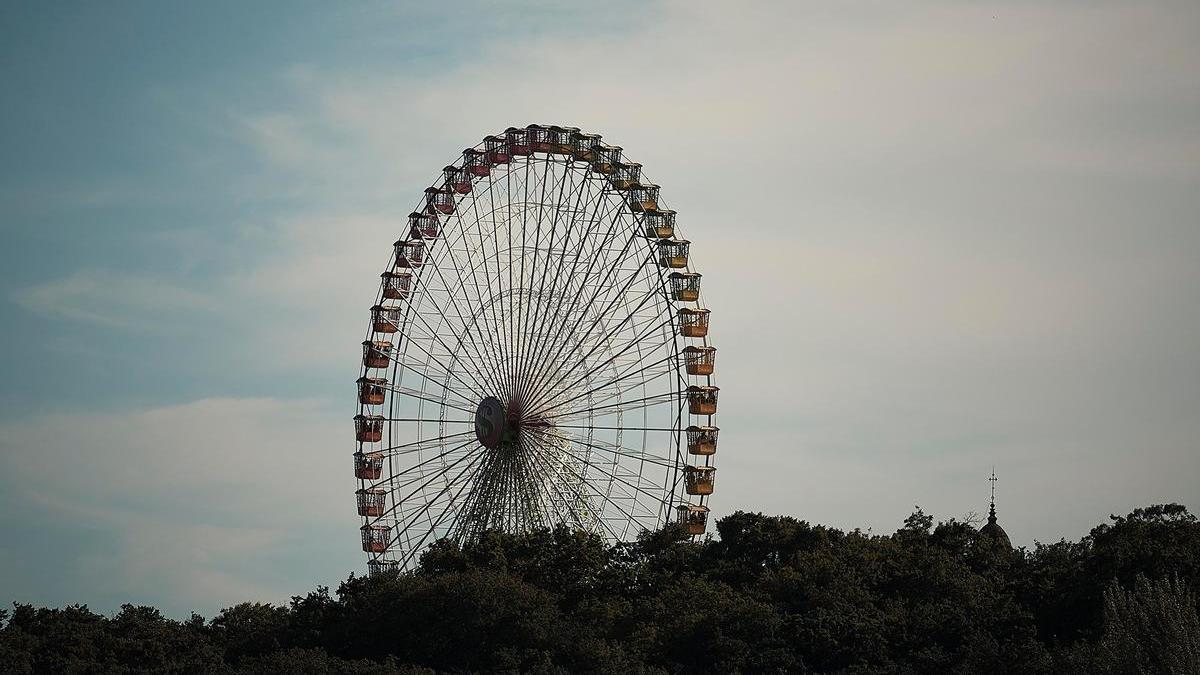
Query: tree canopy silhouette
{"points": [[768, 594]]}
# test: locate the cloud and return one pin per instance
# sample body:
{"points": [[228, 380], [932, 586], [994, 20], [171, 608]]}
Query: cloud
{"points": [[934, 238], [199, 505], [114, 299], [916, 264]]}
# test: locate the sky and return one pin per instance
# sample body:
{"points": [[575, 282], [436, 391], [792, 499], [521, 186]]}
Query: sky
{"points": [[935, 237]]}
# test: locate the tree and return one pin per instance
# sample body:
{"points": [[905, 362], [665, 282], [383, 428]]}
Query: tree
{"points": [[1152, 628]]}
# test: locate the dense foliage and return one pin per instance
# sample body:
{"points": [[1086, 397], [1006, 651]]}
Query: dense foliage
{"points": [[770, 594]]}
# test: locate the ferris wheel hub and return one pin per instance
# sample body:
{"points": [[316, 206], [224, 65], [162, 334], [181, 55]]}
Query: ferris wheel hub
{"points": [[491, 422], [497, 424]]}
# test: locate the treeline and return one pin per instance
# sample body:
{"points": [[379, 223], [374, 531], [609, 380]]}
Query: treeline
{"points": [[770, 594]]}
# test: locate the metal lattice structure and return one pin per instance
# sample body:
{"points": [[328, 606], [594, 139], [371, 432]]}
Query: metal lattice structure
{"points": [[537, 355]]}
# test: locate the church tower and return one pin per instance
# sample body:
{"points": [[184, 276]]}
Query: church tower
{"points": [[993, 530]]}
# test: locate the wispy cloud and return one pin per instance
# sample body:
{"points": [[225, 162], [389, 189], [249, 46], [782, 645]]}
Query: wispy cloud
{"points": [[114, 299]]}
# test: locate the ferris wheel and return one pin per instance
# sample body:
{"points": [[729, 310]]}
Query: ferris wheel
{"points": [[537, 355]]}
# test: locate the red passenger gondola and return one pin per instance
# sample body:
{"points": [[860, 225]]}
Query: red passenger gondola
{"points": [[396, 285], [685, 286], [440, 200], [368, 466], [409, 253], [423, 226], [377, 353], [368, 428], [699, 360], [476, 163], [372, 502], [457, 180], [659, 224], [518, 142], [693, 323], [496, 148], [673, 253], [693, 518], [375, 538], [386, 318], [372, 390], [699, 479], [702, 440], [702, 400]]}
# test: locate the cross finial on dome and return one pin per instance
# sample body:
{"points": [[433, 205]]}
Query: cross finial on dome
{"points": [[992, 505], [992, 529]]}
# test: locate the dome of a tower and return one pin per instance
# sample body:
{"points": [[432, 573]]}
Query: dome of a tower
{"points": [[994, 532]]}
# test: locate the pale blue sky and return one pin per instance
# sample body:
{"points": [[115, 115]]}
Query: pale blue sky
{"points": [[935, 238]]}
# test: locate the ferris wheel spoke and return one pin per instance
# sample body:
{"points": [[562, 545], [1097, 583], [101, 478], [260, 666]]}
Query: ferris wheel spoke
{"points": [[484, 503], [575, 490], [596, 199], [493, 355], [477, 355], [637, 490], [442, 389], [429, 504], [427, 420], [494, 331], [547, 450], [600, 467], [621, 365], [604, 428], [536, 316], [543, 348], [448, 286], [477, 386], [413, 393], [471, 472], [481, 496], [470, 399], [435, 526], [620, 406], [518, 266], [413, 446], [570, 365], [480, 380], [498, 350], [453, 530], [641, 368], [434, 476], [447, 289], [540, 215], [575, 345], [550, 471], [520, 310], [606, 496], [416, 468], [546, 504], [612, 448], [612, 359], [595, 262], [606, 395], [482, 370]]}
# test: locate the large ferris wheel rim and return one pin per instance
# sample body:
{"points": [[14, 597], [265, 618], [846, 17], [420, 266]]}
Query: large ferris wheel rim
{"points": [[545, 444]]}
